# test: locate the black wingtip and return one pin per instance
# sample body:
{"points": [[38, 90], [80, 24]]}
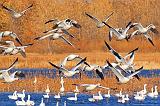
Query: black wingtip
{"points": [[109, 63], [151, 41], [106, 24], [108, 45]]}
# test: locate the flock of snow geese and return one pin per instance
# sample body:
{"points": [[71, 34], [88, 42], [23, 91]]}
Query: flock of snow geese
{"points": [[123, 64]]}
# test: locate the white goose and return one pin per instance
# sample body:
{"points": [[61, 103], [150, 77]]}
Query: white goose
{"points": [[55, 36], [35, 81], [144, 91], [76, 90], [99, 23], [69, 73], [139, 96], [126, 98], [89, 87], [95, 68], [121, 78], [12, 49], [121, 99], [120, 35], [99, 97], [57, 96], [155, 91], [21, 103], [13, 96], [70, 58], [73, 98], [46, 95], [10, 34], [47, 90], [29, 102], [107, 95], [16, 14], [5, 74], [144, 31], [121, 59], [64, 24], [21, 95], [42, 103], [151, 94], [119, 94], [62, 86]]}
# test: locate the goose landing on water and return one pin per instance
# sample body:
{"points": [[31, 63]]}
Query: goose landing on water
{"points": [[122, 78]]}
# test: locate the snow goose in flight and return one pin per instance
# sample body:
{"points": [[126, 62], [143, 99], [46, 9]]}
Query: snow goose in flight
{"points": [[16, 14], [9, 78], [11, 34], [122, 78], [12, 49], [70, 58], [144, 31], [95, 68], [119, 58], [55, 36], [99, 23], [120, 35], [64, 24], [73, 71], [89, 87]]}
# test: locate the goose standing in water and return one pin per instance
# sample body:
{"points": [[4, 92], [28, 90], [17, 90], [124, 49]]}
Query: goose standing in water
{"points": [[73, 98], [10, 34], [99, 23], [12, 49], [121, 99], [144, 31], [99, 97], [13, 96], [139, 96], [144, 91], [47, 90], [21, 95], [76, 90], [155, 91], [119, 94], [46, 95], [151, 94], [120, 35], [16, 14], [62, 86], [57, 96], [108, 94], [20, 103], [29, 102], [89, 87], [73, 71], [121, 78], [42, 103]]}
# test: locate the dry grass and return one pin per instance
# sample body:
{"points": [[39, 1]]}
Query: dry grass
{"points": [[54, 84], [148, 60]]}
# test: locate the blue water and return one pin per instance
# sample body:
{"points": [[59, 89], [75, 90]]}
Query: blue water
{"points": [[82, 101]]}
